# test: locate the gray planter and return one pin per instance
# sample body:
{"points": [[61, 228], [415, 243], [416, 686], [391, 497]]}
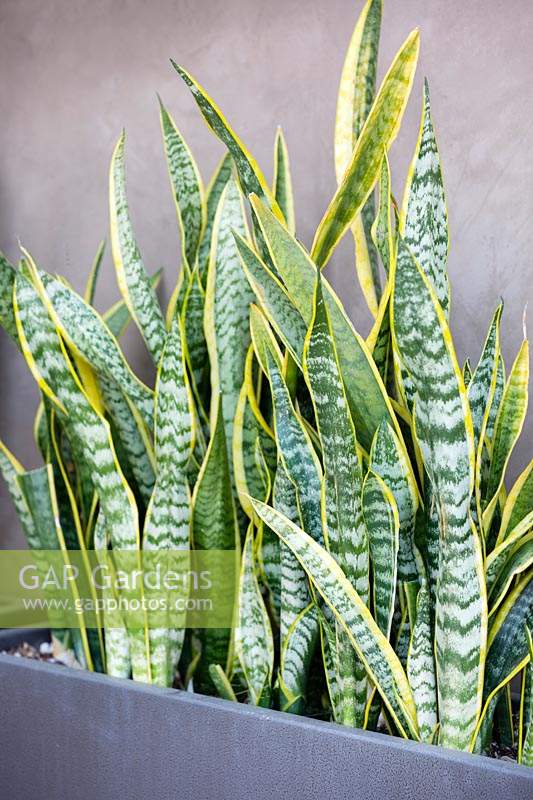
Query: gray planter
{"points": [[70, 734]]}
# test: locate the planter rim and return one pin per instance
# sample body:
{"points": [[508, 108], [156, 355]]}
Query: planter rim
{"points": [[241, 710]]}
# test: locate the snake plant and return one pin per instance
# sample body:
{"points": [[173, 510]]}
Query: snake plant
{"points": [[383, 566]]}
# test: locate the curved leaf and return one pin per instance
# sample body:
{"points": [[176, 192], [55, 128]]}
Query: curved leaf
{"points": [[133, 281], [352, 614], [379, 131]]}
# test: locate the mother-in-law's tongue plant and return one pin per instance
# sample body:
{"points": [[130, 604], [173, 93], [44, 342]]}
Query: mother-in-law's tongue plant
{"points": [[384, 571]]}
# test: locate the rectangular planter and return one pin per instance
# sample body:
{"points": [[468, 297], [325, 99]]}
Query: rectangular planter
{"points": [[66, 733]]}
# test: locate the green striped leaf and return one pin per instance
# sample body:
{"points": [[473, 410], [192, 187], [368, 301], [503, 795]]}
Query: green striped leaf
{"points": [[518, 504], [421, 666], [47, 359], [11, 468], [356, 94], [274, 301], [228, 297], [117, 318], [298, 619], [343, 480], [187, 187], [366, 394], [133, 281], [507, 651], [193, 311], [483, 382], [379, 131], [342, 488], [254, 644], [214, 528], [296, 452], [221, 683], [213, 192], [507, 428], [519, 558], [132, 434], [382, 230], [525, 751], [117, 645], [382, 523], [389, 461], [424, 218], [7, 280], [445, 435], [496, 400], [497, 559], [352, 613], [282, 181], [88, 336], [250, 175], [90, 286]]}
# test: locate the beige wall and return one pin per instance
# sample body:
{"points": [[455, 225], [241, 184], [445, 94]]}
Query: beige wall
{"points": [[75, 71]]}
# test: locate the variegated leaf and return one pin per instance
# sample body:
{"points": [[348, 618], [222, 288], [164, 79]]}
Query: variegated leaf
{"points": [[382, 523], [214, 528], [445, 435], [88, 336], [525, 749], [353, 615], [250, 175], [390, 461], [507, 429], [228, 297], [424, 218], [518, 504], [254, 644], [282, 182], [421, 665], [274, 300], [187, 187], [7, 280], [90, 286], [356, 94], [117, 318], [133, 281], [214, 190], [483, 382], [47, 359], [379, 131], [366, 394]]}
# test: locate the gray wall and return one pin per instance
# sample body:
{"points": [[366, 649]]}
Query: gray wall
{"points": [[75, 71]]}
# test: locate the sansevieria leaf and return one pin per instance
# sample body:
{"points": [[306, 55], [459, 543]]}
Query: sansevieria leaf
{"points": [[250, 175], [214, 528], [355, 97], [90, 286], [132, 279], [379, 131], [253, 637], [7, 280], [186, 185], [282, 181], [445, 435], [371, 646], [227, 303], [167, 525], [47, 359], [390, 461], [518, 504], [424, 218], [421, 665], [508, 426], [365, 392], [382, 523], [213, 192]]}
